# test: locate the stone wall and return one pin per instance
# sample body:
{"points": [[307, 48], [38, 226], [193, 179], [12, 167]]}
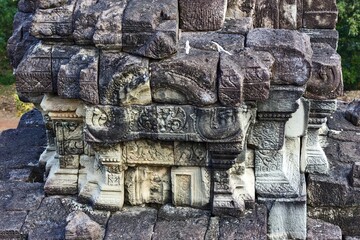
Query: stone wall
{"points": [[209, 104]]}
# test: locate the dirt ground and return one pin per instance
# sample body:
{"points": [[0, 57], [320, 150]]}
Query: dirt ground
{"points": [[9, 114]]}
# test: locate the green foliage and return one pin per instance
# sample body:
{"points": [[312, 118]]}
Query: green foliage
{"points": [[7, 11], [21, 107], [349, 42]]}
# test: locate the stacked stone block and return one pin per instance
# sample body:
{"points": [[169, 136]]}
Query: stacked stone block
{"points": [[210, 104]]}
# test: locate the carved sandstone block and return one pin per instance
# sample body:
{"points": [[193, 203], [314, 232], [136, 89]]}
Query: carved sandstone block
{"points": [[55, 22], [352, 113], [148, 185], [278, 172], [326, 79], [148, 152], [108, 29], [21, 40], [190, 154], [238, 9], [150, 29], [75, 76], [190, 186], [69, 137], [186, 123], [202, 15], [34, 73], [124, 79], [329, 36], [320, 14], [291, 50]]}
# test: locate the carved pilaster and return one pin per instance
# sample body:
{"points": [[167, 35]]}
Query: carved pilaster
{"points": [[224, 201], [313, 157]]}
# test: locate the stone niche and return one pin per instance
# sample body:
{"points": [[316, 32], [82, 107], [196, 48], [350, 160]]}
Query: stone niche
{"points": [[211, 104]]}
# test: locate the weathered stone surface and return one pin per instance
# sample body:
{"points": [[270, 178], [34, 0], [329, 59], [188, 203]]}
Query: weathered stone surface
{"points": [[200, 15], [152, 31], [51, 103], [148, 185], [108, 29], [53, 20], [71, 205], [80, 226], [48, 221], [27, 6], [11, 223], [245, 75], [278, 172], [213, 230], [34, 73], [326, 78], [181, 223], [184, 79], [78, 78], [343, 217], [287, 220], [352, 113], [329, 36], [338, 122], [132, 223], [284, 14], [21, 40], [323, 191], [148, 152], [24, 196], [190, 154], [355, 175], [320, 14], [318, 229], [291, 50], [253, 225], [239, 9], [124, 79], [238, 26], [166, 123], [190, 186]]}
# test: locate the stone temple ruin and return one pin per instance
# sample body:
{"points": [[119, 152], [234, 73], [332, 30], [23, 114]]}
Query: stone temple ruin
{"points": [[211, 104]]}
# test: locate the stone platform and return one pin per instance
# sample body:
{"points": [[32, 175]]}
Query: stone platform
{"points": [[26, 213]]}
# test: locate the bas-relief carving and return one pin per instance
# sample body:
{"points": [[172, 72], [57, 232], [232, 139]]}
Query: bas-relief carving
{"points": [[149, 152], [187, 123], [278, 171], [148, 185], [151, 143]]}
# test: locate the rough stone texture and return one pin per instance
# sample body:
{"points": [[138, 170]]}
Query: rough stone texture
{"points": [[34, 73], [53, 20], [238, 9], [291, 50], [202, 15], [150, 29], [181, 223], [318, 229], [352, 113], [326, 78], [328, 36], [253, 225], [80, 226], [108, 29], [21, 40], [320, 14], [11, 223], [124, 79], [48, 221], [135, 223]]}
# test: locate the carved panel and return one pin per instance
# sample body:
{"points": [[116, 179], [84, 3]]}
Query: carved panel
{"points": [[278, 172], [190, 154], [69, 161], [69, 137], [148, 185], [186, 123], [148, 152], [190, 186]]}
